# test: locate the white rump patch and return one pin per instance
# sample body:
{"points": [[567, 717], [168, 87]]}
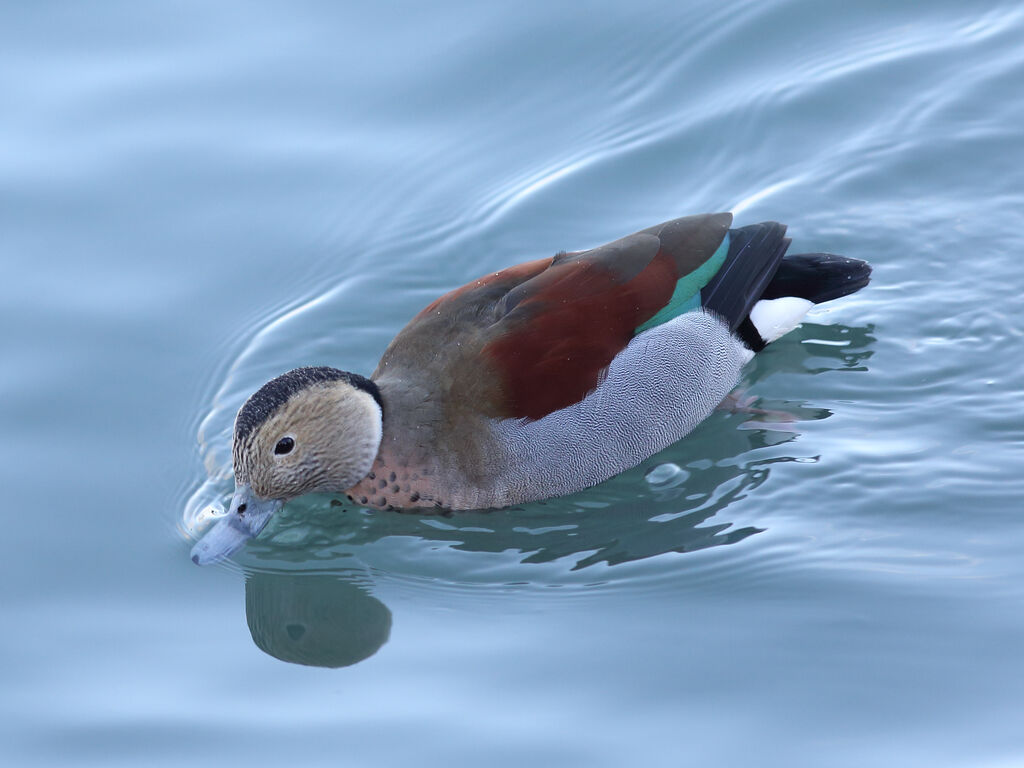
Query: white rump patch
{"points": [[775, 317]]}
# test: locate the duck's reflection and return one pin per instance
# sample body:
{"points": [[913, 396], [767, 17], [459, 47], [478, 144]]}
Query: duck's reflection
{"points": [[314, 619], [333, 621], [665, 505]]}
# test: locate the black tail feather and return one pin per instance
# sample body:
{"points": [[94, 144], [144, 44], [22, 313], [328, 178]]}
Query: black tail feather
{"points": [[754, 256], [757, 267], [818, 277]]}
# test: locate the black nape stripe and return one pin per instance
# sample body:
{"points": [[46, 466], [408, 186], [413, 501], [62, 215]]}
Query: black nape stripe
{"points": [[365, 384], [276, 392]]}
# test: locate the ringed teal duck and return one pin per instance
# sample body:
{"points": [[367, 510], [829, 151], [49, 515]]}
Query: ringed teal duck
{"points": [[535, 381]]}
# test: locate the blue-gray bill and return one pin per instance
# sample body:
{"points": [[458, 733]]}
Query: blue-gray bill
{"points": [[247, 516]]}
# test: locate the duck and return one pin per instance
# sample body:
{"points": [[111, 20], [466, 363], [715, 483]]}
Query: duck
{"points": [[532, 382]]}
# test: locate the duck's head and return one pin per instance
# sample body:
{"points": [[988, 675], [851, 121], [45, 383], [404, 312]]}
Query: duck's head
{"points": [[307, 431]]}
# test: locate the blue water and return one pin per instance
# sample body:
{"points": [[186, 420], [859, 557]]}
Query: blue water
{"points": [[197, 196]]}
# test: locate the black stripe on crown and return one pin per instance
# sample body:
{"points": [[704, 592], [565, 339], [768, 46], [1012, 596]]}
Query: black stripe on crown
{"points": [[276, 392]]}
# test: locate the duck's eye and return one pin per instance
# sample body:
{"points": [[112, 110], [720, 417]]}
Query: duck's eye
{"points": [[284, 445]]}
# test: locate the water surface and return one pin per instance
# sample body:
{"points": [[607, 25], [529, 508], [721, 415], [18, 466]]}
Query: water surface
{"points": [[196, 197]]}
